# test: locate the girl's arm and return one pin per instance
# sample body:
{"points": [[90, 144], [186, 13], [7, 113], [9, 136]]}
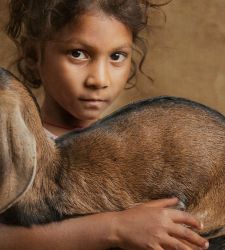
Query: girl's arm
{"points": [[148, 226], [85, 233]]}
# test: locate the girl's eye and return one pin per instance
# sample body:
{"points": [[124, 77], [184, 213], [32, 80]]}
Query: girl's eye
{"points": [[78, 54], [118, 56]]}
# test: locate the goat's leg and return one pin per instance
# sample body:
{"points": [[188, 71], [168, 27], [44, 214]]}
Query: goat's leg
{"points": [[208, 209]]}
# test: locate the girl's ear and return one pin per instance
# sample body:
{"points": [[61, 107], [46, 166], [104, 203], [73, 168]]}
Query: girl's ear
{"points": [[17, 154]]}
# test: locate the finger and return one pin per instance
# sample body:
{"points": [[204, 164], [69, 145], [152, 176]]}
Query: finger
{"points": [[175, 244], [186, 218], [162, 203], [190, 236], [158, 248]]}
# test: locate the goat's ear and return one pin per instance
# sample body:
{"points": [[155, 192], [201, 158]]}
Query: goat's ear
{"points": [[17, 156]]}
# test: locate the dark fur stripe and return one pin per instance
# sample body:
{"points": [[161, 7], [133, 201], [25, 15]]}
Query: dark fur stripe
{"points": [[217, 243]]}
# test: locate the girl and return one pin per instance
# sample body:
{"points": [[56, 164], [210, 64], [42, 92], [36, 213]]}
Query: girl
{"points": [[81, 51]]}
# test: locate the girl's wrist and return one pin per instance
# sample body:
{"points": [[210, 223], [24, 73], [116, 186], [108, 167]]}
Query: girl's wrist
{"points": [[112, 236]]}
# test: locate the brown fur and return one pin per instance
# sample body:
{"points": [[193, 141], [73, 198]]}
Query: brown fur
{"points": [[156, 148]]}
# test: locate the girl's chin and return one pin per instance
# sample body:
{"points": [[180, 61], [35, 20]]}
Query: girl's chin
{"points": [[90, 115], [86, 121]]}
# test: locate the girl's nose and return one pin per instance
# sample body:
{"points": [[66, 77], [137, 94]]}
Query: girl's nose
{"points": [[98, 76]]}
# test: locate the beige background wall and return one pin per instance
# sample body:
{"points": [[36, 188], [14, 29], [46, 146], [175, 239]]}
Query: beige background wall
{"points": [[186, 57]]}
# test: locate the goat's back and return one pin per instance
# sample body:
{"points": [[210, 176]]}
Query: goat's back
{"points": [[154, 145]]}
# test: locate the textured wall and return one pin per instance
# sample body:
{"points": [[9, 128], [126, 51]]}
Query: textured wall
{"points": [[186, 56], [7, 50]]}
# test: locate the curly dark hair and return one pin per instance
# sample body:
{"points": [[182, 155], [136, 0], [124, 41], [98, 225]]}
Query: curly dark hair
{"points": [[38, 20]]}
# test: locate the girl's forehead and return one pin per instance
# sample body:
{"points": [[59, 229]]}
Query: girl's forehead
{"points": [[93, 26]]}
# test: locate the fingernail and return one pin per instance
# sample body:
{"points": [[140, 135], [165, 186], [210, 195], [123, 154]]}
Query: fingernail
{"points": [[201, 225], [206, 246]]}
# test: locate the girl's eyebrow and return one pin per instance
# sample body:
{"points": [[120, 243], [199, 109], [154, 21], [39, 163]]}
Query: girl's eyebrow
{"points": [[86, 44], [124, 46]]}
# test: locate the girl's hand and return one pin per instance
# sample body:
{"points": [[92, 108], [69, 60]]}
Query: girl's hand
{"points": [[155, 226]]}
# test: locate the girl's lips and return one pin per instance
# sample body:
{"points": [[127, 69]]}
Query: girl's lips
{"points": [[92, 102]]}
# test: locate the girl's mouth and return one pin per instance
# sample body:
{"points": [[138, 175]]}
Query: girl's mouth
{"points": [[92, 102]]}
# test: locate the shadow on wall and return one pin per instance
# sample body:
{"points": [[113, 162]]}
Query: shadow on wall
{"points": [[186, 56]]}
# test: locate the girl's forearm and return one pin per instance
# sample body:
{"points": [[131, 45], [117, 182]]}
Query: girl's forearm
{"points": [[85, 233]]}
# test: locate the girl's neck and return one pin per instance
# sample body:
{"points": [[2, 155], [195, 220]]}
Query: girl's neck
{"points": [[57, 129], [58, 121], [64, 127]]}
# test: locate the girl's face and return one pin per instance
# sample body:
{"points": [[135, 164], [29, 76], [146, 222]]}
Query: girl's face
{"points": [[85, 68]]}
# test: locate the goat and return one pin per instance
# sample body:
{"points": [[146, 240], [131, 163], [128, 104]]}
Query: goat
{"points": [[155, 148]]}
